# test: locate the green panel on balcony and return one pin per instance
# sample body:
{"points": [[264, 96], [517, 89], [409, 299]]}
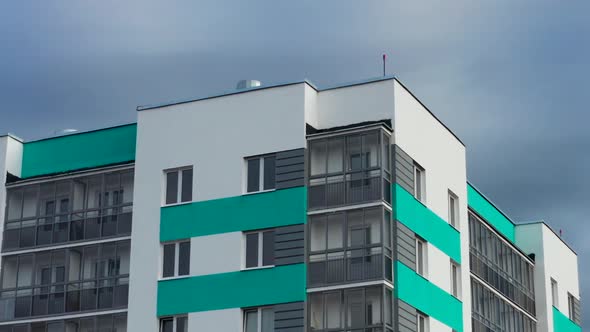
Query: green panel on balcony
{"points": [[423, 295], [92, 149], [240, 213], [427, 224], [281, 284], [561, 323], [480, 204]]}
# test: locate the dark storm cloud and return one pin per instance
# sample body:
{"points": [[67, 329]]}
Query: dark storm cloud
{"points": [[510, 78]]}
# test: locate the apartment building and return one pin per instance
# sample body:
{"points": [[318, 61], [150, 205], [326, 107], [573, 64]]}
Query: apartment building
{"points": [[284, 208]]}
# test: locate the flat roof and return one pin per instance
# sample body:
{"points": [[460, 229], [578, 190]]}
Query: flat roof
{"points": [[305, 81]]}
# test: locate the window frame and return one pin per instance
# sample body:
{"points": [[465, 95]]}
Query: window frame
{"points": [[421, 265], [261, 167], [424, 318], [176, 259], [174, 322], [454, 215], [571, 306], [258, 311], [260, 233], [455, 279], [179, 187], [419, 183], [554, 293]]}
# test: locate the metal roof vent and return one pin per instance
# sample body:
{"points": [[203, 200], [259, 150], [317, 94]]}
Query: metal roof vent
{"points": [[247, 84], [63, 132]]}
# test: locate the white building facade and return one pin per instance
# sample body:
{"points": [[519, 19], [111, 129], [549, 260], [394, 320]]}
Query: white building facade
{"points": [[273, 208]]}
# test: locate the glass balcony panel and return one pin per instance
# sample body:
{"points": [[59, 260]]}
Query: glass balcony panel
{"points": [[15, 204], [317, 233], [30, 201], [371, 150], [334, 310], [317, 157], [335, 229], [335, 155]]}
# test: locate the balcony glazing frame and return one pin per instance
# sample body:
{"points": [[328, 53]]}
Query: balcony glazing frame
{"points": [[109, 214], [343, 171], [372, 259], [344, 319], [107, 281]]}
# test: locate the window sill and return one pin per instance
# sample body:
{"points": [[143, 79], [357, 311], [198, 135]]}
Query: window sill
{"points": [[257, 268], [174, 278], [259, 192], [177, 204]]}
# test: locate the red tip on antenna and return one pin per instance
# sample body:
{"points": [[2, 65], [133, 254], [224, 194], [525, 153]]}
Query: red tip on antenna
{"points": [[384, 56], [560, 233]]}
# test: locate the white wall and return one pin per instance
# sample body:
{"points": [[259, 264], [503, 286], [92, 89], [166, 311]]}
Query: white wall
{"points": [[214, 136], [438, 264], [553, 259], [228, 320], [436, 326], [11, 155], [442, 156], [354, 104], [226, 249]]}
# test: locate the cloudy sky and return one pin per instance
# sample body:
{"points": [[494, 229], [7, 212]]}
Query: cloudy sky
{"points": [[511, 78]]}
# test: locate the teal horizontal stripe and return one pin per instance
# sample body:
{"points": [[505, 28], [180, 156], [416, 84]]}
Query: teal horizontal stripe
{"points": [[478, 203], [79, 151], [421, 294], [561, 323], [422, 221], [240, 213], [239, 289]]}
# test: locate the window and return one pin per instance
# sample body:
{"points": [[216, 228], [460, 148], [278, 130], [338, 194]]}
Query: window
{"points": [[176, 259], [421, 257], [174, 324], [453, 210], [419, 183], [571, 305], [259, 320], [554, 297], [455, 279], [260, 173], [421, 323], [179, 185], [260, 247]]}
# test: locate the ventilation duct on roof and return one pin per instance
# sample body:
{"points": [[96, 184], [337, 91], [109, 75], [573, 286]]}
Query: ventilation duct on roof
{"points": [[247, 84]]}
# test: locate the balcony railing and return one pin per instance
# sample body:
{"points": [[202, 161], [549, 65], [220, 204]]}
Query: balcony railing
{"points": [[59, 298], [77, 226], [348, 267], [376, 328], [337, 191]]}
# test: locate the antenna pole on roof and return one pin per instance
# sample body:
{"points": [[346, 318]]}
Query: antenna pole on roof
{"points": [[384, 57]]}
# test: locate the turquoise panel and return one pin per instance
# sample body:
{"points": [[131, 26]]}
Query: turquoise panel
{"points": [[421, 294], [422, 221], [79, 151], [239, 289], [489, 212], [561, 323], [240, 213]]}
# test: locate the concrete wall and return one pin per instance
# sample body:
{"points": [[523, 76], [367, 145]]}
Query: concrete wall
{"points": [[217, 253], [442, 156], [354, 104], [215, 321], [213, 136]]}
